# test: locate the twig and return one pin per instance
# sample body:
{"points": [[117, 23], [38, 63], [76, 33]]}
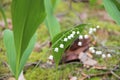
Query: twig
{"points": [[109, 72], [114, 74]]}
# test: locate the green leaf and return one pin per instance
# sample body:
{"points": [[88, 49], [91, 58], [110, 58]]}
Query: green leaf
{"points": [[27, 53], [113, 8], [51, 21], [26, 17], [59, 39], [4, 16], [10, 48], [55, 3]]}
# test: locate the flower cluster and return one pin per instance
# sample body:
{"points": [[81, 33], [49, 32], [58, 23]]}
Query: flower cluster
{"points": [[92, 50], [69, 37], [81, 37]]}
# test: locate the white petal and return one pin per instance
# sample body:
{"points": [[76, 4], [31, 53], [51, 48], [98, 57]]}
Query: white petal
{"points": [[79, 43], [103, 55], [65, 39], [61, 45], [80, 36], [91, 48], [56, 49], [78, 32], [72, 35], [91, 29], [108, 55], [98, 26], [69, 37], [98, 52], [90, 32], [86, 36], [93, 51], [50, 57], [73, 32], [94, 29]]}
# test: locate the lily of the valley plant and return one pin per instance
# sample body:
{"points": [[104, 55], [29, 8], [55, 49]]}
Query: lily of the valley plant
{"points": [[27, 15]]}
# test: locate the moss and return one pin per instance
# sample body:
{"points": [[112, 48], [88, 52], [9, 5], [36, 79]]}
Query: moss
{"points": [[36, 56], [94, 78], [45, 74], [3, 69], [42, 33]]}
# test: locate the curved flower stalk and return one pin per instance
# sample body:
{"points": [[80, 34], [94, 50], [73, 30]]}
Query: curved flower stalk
{"points": [[4, 16], [26, 17]]}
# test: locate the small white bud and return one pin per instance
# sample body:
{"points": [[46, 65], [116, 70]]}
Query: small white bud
{"points": [[61, 45], [91, 48], [65, 39], [72, 35], [69, 37], [79, 43], [86, 36], [90, 32], [98, 26], [91, 29], [80, 36], [50, 57], [93, 51], [98, 52], [78, 32], [103, 55], [94, 29], [108, 55], [56, 49], [73, 32]]}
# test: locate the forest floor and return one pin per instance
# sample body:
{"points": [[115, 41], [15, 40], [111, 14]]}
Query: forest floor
{"points": [[37, 68]]}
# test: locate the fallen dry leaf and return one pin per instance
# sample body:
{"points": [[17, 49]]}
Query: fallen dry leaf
{"points": [[72, 53], [11, 78], [86, 60], [100, 67], [73, 78]]}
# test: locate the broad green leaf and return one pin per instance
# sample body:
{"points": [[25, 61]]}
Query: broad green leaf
{"points": [[10, 48], [113, 8], [26, 17], [117, 3], [27, 53], [59, 39], [51, 21], [4, 16], [55, 3]]}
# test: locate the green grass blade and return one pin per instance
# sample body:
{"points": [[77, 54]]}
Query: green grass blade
{"points": [[51, 21], [59, 39], [27, 53], [4, 16], [113, 8], [10, 48]]}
